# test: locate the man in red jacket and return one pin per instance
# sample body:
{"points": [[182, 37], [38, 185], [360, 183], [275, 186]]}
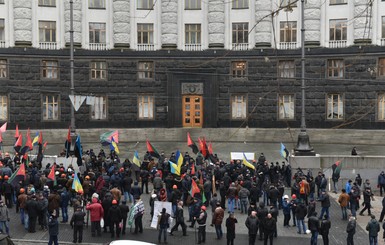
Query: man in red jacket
{"points": [[97, 212]]}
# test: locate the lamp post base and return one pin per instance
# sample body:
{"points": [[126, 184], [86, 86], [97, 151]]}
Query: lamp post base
{"points": [[303, 145]]}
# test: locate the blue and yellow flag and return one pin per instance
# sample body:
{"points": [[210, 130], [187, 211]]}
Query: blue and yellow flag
{"points": [[136, 159], [76, 185], [174, 168], [36, 139], [284, 152], [246, 163], [179, 159], [114, 146]]}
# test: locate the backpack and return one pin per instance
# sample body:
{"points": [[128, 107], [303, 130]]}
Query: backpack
{"points": [[302, 189]]}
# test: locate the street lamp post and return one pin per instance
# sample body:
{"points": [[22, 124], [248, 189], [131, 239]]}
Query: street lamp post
{"points": [[72, 88], [303, 147]]}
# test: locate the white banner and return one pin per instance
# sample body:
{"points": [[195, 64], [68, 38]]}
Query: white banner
{"points": [[77, 101], [158, 206], [239, 155]]}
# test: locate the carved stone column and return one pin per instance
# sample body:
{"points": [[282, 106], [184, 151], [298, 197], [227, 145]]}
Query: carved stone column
{"points": [[22, 24], [362, 22], [121, 25], [169, 24], [216, 23], [312, 22], [77, 22], [263, 29]]}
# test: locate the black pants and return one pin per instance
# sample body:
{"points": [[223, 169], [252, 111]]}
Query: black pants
{"points": [[78, 233], [286, 219], [261, 231], [32, 224], [201, 234], [230, 241], [267, 237], [115, 227], [325, 238], [252, 238], [366, 207], [382, 214], [145, 184], [8, 200], [182, 224], [138, 224], [382, 187], [95, 228], [350, 239], [124, 226]]}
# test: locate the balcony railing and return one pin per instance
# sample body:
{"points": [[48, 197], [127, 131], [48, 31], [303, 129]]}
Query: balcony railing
{"points": [[98, 46], [48, 45], [146, 47], [240, 46], [287, 45], [2, 44], [382, 41], [338, 44], [193, 47]]}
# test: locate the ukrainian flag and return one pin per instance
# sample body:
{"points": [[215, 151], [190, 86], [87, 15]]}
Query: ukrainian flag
{"points": [[246, 163], [179, 159], [36, 139], [136, 159], [76, 185], [174, 168], [114, 146]]}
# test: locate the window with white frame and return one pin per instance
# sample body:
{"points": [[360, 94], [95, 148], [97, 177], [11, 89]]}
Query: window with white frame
{"points": [[99, 108], [336, 68], [239, 69], [288, 3], [47, 3], [97, 32], [3, 107], [381, 67], [146, 107], [335, 106], [2, 30], [50, 107], [332, 2], [98, 70], [240, 32], [381, 107], [288, 31], [193, 33], [97, 4], [47, 31], [338, 30], [238, 106], [145, 4], [145, 33], [192, 4], [49, 69], [286, 68], [286, 106], [383, 27], [3, 69], [145, 70], [240, 4]]}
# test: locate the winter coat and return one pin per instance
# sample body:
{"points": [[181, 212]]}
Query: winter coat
{"points": [[301, 211], [325, 200], [219, 213], [243, 193], [313, 223], [78, 218], [381, 179], [157, 183], [53, 226], [373, 227], [114, 214], [230, 225], [136, 191], [252, 224], [351, 227], [343, 200], [53, 202], [4, 216], [231, 192], [286, 207], [124, 209], [32, 208], [269, 225], [325, 227], [179, 214], [96, 211]]}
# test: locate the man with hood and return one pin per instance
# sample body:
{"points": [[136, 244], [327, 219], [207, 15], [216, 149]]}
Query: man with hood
{"points": [[351, 229], [373, 227], [96, 213], [77, 223]]}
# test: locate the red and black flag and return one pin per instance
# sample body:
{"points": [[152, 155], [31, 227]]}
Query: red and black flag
{"points": [[17, 134], [67, 143], [211, 156], [40, 150], [52, 175], [203, 147], [191, 144], [152, 150], [18, 175], [21, 146]]}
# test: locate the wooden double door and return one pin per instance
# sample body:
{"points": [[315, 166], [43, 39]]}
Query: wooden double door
{"points": [[192, 111]]}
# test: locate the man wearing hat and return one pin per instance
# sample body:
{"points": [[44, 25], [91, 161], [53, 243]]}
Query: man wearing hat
{"points": [[77, 223], [217, 220], [7, 190], [163, 224], [179, 219], [201, 220]]}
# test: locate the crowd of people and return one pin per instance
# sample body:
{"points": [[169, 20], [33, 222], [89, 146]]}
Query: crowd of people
{"points": [[112, 190]]}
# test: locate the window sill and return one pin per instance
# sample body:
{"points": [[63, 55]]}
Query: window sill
{"points": [[98, 79], [146, 80], [286, 119], [50, 79], [335, 119], [239, 8], [144, 8], [96, 8], [48, 6], [238, 119], [52, 120], [193, 9], [337, 4], [99, 120], [146, 119]]}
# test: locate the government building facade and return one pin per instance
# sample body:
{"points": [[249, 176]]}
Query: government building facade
{"points": [[193, 63]]}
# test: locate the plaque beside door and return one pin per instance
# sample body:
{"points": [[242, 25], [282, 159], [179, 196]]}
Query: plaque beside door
{"points": [[192, 88]]}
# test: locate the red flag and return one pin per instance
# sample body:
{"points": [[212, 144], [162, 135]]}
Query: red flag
{"points": [[203, 147], [191, 144], [152, 150], [19, 141], [29, 140], [25, 157], [69, 135], [1, 137], [40, 141], [17, 134], [194, 188], [193, 169], [3, 128], [45, 146], [210, 148], [51, 174], [17, 176]]}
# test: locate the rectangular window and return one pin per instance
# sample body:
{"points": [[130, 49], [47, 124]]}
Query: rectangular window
{"points": [[98, 70], [3, 108], [238, 107], [192, 4], [239, 69], [338, 30], [332, 2], [47, 31], [97, 32], [288, 3], [145, 4], [193, 33], [381, 107], [288, 31], [146, 70], [381, 67], [335, 68], [3, 69], [97, 4], [286, 69], [49, 69], [383, 27], [146, 107], [47, 3], [240, 32], [2, 30], [240, 4], [50, 107], [335, 106], [2, 1], [286, 106], [99, 108], [145, 34]]}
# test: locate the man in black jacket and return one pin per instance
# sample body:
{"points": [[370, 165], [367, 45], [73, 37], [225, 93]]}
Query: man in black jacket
{"points": [[179, 219], [383, 210], [124, 209], [269, 227], [325, 204], [314, 226], [32, 208], [351, 230], [261, 213], [115, 217], [300, 213], [77, 223], [252, 224], [324, 229]]}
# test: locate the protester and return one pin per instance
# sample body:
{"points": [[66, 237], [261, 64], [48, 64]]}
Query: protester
{"points": [[351, 230], [252, 224], [115, 216], [381, 182], [217, 220], [96, 213], [77, 224], [314, 225], [4, 218], [163, 225], [124, 209], [230, 229], [324, 229], [368, 196], [383, 210], [373, 227], [343, 200], [179, 216], [269, 227], [202, 225], [53, 228]]}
